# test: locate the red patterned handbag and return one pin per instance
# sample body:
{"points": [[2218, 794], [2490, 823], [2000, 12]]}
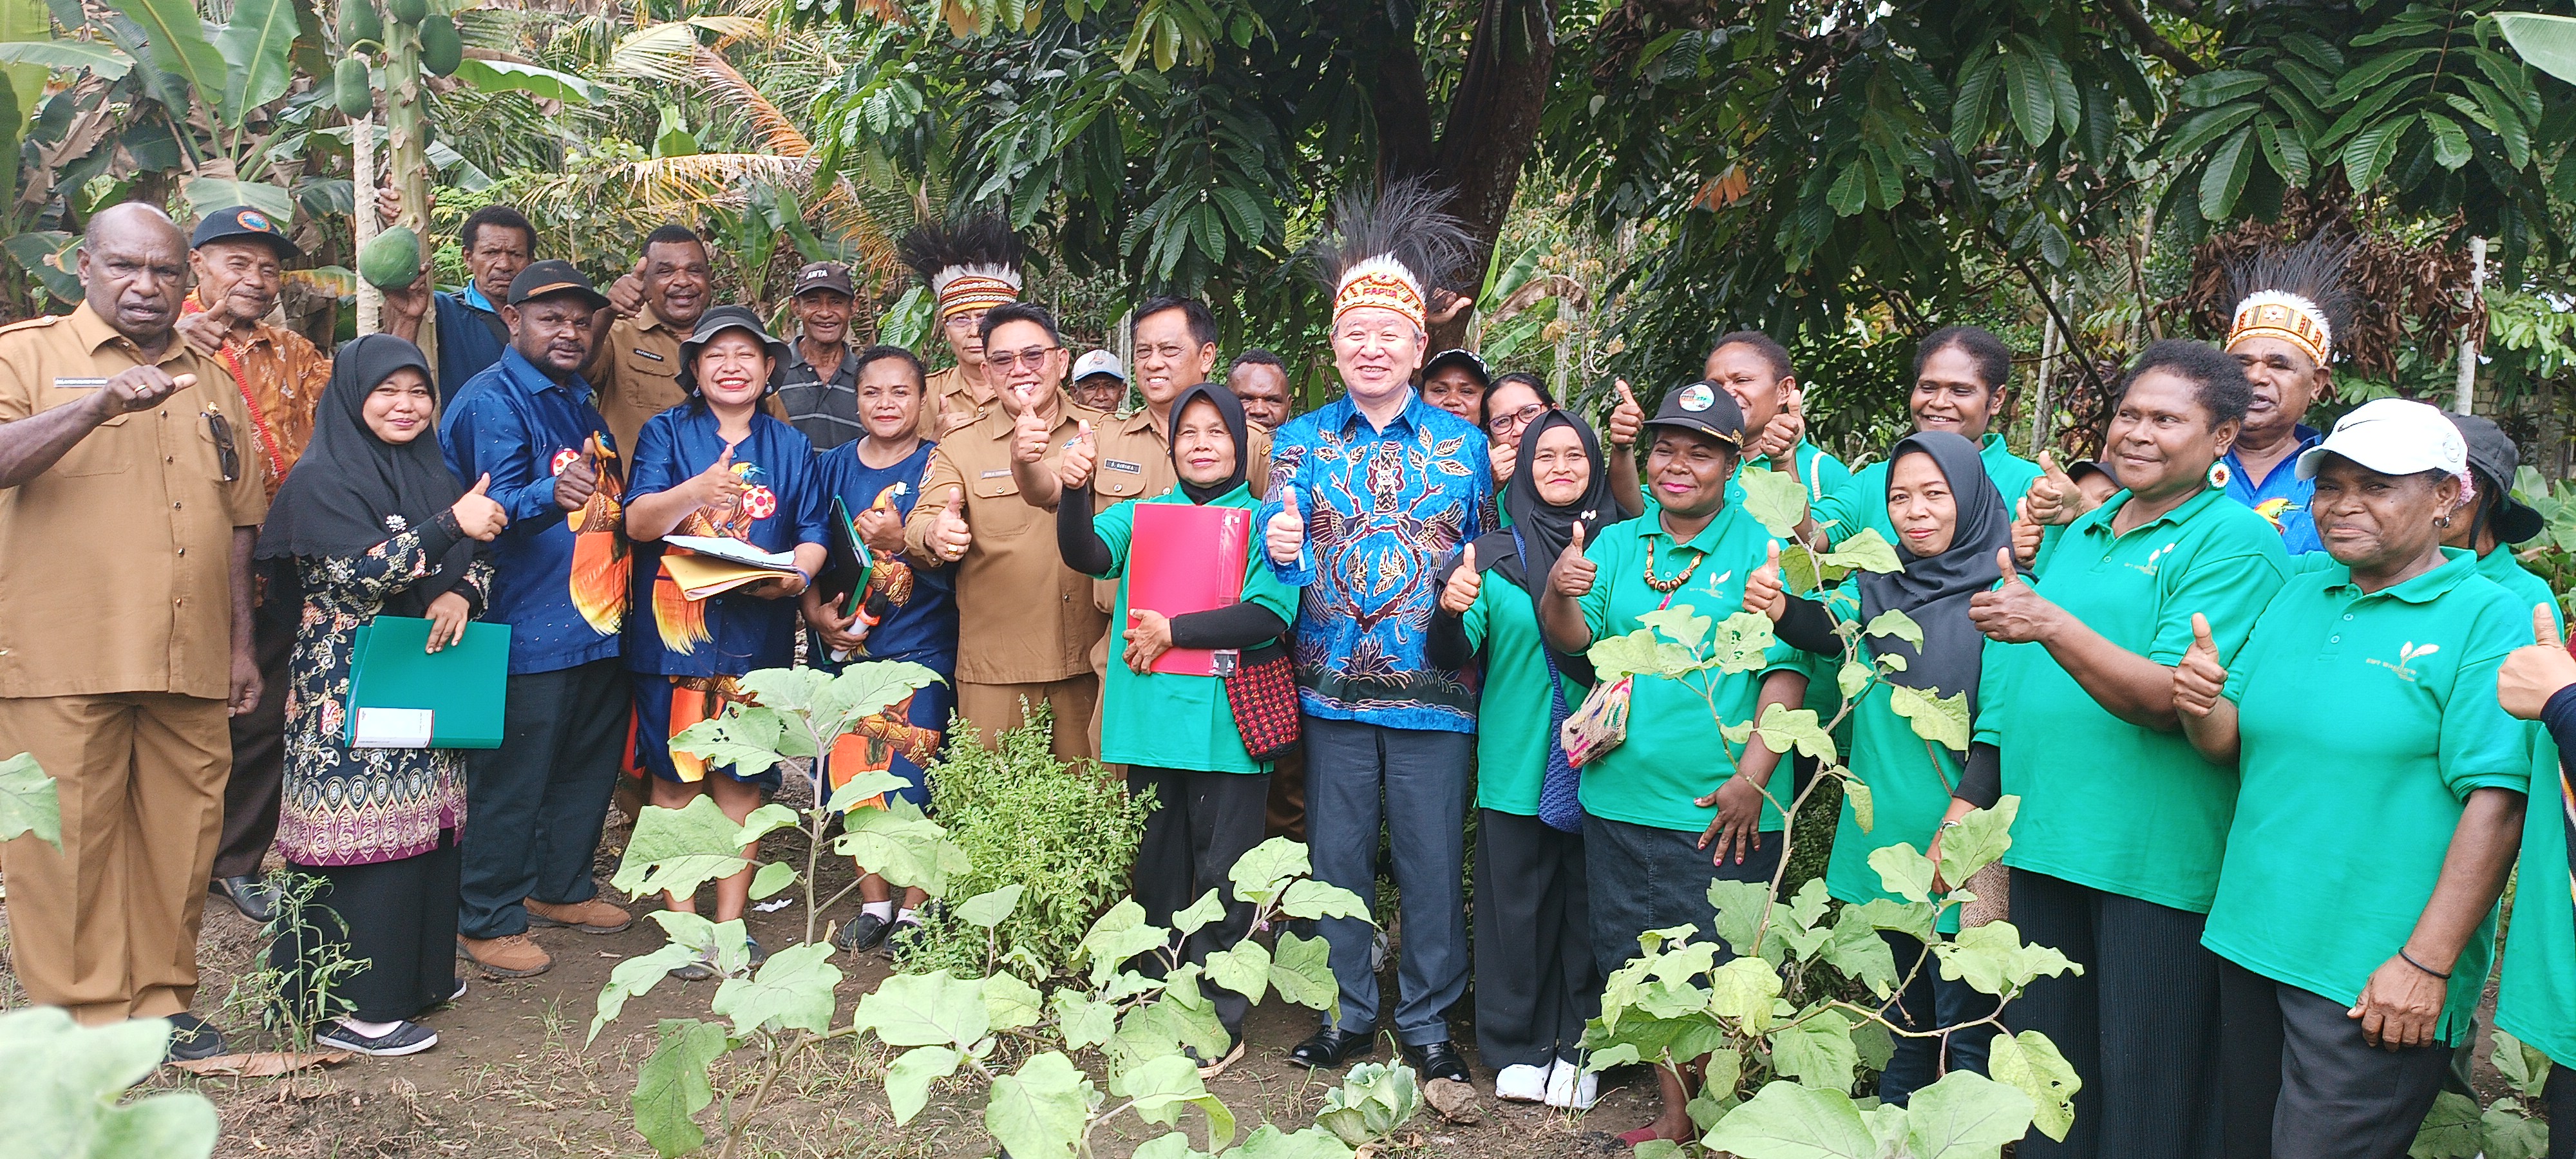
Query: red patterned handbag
{"points": [[1262, 689]]}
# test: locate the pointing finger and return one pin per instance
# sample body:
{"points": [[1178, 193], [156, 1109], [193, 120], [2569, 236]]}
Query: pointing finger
{"points": [[2200, 632], [2544, 626]]}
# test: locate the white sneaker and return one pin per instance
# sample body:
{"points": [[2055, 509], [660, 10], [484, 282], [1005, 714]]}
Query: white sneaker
{"points": [[1571, 1087], [1521, 1083]]}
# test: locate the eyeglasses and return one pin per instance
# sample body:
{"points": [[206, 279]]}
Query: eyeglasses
{"points": [[1514, 421], [1033, 357], [227, 455], [1166, 353]]}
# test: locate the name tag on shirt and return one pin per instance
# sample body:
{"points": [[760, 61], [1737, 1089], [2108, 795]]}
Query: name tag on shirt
{"points": [[994, 474], [1115, 465], [392, 728], [643, 353], [79, 383]]}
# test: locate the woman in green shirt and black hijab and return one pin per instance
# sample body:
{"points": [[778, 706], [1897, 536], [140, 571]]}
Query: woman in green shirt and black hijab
{"points": [[1535, 981], [2379, 805]]}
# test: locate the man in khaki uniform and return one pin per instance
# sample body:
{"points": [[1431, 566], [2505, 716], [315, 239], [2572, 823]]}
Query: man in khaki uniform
{"points": [[635, 369], [128, 507], [1025, 621], [970, 267]]}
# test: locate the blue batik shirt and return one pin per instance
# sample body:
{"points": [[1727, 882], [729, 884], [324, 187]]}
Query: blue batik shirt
{"points": [[1383, 508], [2283, 498], [782, 506], [520, 427]]}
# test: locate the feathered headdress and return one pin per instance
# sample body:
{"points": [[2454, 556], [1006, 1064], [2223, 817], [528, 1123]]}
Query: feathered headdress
{"points": [[1387, 249], [2294, 293], [972, 264]]}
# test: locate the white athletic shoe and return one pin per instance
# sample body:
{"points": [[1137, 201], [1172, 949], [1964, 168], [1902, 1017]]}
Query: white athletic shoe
{"points": [[1571, 1088], [1521, 1083]]}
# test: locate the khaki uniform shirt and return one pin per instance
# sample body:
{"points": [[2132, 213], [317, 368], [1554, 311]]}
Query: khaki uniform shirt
{"points": [[282, 373], [115, 563], [950, 402], [1022, 616], [637, 375], [1135, 462]]}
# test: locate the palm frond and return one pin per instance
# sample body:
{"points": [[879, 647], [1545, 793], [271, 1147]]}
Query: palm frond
{"points": [[777, 133]]}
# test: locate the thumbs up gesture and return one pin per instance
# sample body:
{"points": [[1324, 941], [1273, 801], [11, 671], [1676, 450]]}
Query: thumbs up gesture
{"points": [[1286, 534], [2026, 534], [2200, 678], [1627, 418], [950, 538], [2533, 674], [1459, 593], [1572, 575], [1028, 432], [1762, 591], [717, 487], [2054, 498], [2014, 612], [1073, 469], [477, 514]]}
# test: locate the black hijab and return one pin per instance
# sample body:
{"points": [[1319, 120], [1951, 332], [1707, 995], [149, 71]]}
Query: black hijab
{"points": [[1934, 590], [1546, 527], [1228, 408], [352, 490]]}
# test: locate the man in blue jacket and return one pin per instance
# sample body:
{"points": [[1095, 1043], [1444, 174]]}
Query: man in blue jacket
{"points": [[498, 242]]}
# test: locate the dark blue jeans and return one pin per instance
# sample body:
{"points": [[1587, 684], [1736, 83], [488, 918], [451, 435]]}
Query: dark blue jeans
{"points": [[534, 806], [1930, 1002], [1413, 782]]}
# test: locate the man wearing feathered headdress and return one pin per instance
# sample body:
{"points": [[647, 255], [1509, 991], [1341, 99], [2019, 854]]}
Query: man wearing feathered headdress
{"points": [[970, 267], [2290, 305], [1369, 495]]}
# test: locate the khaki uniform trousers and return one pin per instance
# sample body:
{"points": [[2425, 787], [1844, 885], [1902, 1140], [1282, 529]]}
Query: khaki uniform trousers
{"points": [[995, 708], [107, 927]]}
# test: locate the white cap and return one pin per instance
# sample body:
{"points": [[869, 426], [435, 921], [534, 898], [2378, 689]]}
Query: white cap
{"points": [[2393, 437], [1098, 362]]}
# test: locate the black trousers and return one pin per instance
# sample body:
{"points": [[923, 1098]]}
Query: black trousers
{"points": [[534, 806], [2302, 1083], [1203, 823], [2560, 1092], [2140, 1025], [1644, 878], [1535, 981], [1930, 1002], [398, 917], [252, 793]]}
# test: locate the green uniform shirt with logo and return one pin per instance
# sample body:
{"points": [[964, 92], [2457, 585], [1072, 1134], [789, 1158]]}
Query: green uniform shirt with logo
{"points": [[1671, 757], [2508, 573], [1910, 782], [2105, 803], [1862, 502], [2367, 720], [1513, 724], [1166, 719], [1824, 475]]}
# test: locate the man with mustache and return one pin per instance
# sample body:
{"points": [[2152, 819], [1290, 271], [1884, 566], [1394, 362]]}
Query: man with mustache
{"points": [[635, 365]]}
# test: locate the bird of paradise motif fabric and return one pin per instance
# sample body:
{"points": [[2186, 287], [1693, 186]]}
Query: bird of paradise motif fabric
{"points": [[782, 505]]}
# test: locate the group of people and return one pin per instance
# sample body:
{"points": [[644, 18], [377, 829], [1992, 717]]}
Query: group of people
{"points": [[2274, 852]]}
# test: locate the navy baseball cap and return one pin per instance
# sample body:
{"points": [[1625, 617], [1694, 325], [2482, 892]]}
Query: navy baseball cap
{"points": [[550, 277], [1703, 407], [240, 222]]}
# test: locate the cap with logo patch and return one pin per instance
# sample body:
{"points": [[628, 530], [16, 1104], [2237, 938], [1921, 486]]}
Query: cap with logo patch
{"points": [[240, 223], [1098, 362], [823, 276], [2392, 436], [550, 277], [1702, 407]]}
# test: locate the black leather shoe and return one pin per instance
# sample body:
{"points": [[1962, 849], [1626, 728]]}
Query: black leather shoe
{"points": [[254, 900], [1332, 1047], [1437, 1060]]}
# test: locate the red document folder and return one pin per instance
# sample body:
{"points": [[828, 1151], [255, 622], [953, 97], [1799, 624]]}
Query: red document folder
{"points": [[1186, 558]]}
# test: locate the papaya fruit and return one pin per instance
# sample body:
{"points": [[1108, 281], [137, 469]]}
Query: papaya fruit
{"points": [[391, 260], [441, 47], [350, 87], [408, 12], [359, 22]]}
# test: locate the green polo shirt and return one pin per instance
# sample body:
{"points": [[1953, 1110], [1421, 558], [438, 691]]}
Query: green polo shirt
{"points": [[1165, 719], [2536, 1001], [2366, 720], [1670, 759], [2106, 803], [1910, 781], [1862, 502], [1513, 723], [1824, 475], [2508, 573]]}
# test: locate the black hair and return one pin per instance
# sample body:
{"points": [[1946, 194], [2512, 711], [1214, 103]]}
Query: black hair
{"points": [[2218, 383], [1201, 323], [1255, 357], [494, 216], [1021, 312], [1537, 385], [875, 354], [672, 233], [1993, 358], [1763, 344]]}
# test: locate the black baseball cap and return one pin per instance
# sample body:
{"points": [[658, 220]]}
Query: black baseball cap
{"points": [[716, 321], [1465, 358], [550, 277], [823, 276], [2495, 459], [240, 222], [1703, 407]]}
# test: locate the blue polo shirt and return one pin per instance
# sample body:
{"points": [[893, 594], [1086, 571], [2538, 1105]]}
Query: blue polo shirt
{"points": [[1383, 508], [470, 338], [784, 505], [2282, 498], [514, 423]]}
